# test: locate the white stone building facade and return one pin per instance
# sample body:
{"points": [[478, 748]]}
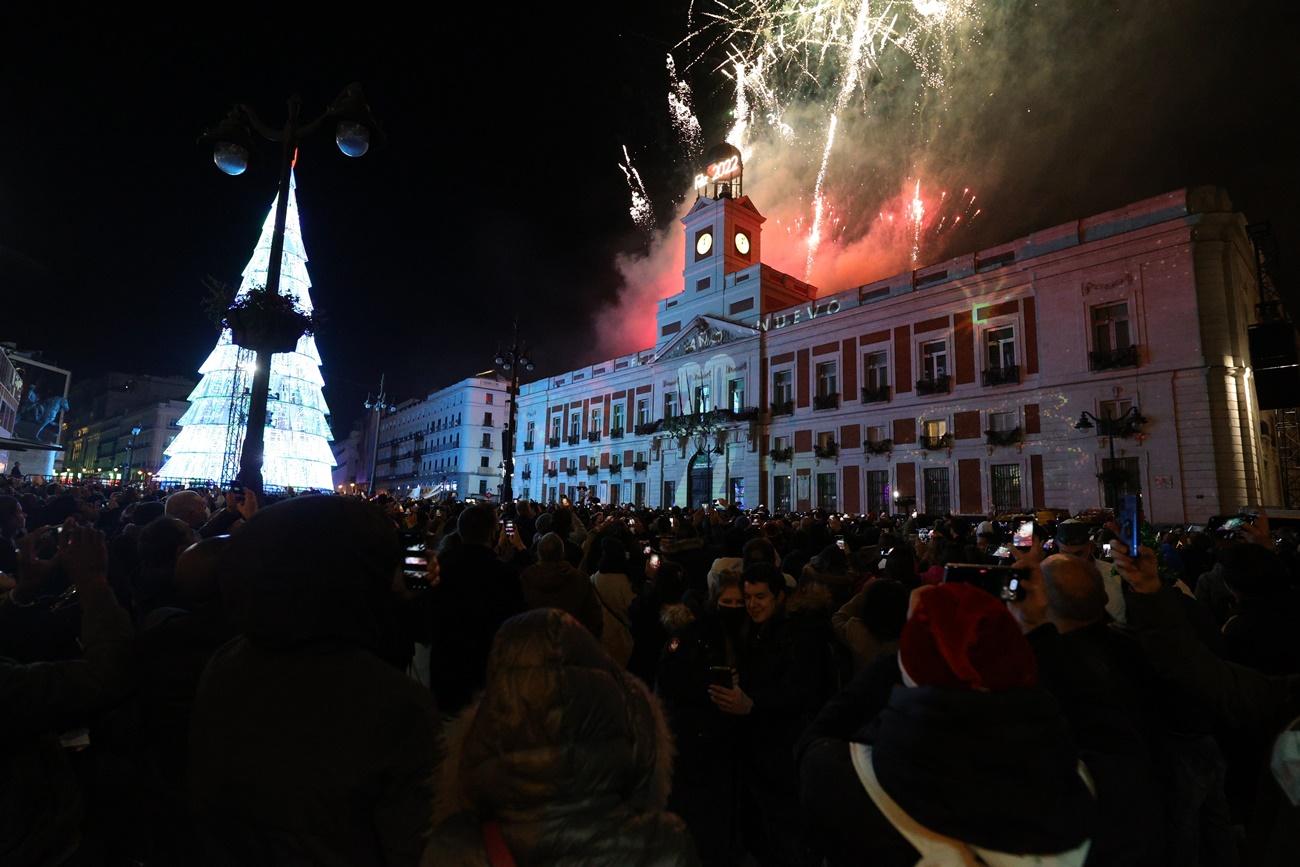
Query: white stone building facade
{"points": [[952, 388]]}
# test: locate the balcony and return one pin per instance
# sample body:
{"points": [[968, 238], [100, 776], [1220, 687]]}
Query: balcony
{"points": [[1113, 359], [526, 475], [782, 456], [646, 428], [878, 447], [571, 471], [934, 444], [1004, 437], [616, 433], [875, 395], [640, 466], [552, 473], [573, 439], [826, 401], [1008, 374], [937, 385], [593, 437], [592, 469], [782, 407], [825, 451], [553, 442], [615, 468]]}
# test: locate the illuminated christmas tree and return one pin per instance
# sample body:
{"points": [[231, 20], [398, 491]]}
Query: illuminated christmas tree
{"points": [[297, 454]]}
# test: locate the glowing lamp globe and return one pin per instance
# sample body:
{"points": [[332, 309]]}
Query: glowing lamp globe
{"points": [[352, 138], [231, 158]]}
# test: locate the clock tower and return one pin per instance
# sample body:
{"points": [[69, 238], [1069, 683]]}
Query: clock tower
{"points": [[722, 239]]}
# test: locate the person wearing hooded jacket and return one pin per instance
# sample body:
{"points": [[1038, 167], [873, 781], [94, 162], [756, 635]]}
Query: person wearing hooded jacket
{"points": [[968, 762], [552, 582], [565, 759], [308, 743]]}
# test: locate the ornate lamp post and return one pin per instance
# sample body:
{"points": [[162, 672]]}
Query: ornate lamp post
{"points": [[1110, 428], [130, 452], [513, 361], [376, 407], [232, 141]]}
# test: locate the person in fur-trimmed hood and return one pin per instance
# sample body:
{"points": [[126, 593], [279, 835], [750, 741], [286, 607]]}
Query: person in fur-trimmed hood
{"points": [[565, 759]]}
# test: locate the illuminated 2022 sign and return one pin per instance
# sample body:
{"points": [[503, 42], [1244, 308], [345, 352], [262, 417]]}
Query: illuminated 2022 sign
{"points": [[719, 171]]}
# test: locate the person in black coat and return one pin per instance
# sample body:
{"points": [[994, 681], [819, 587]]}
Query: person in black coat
{"points": [[475, 595], [704, 640], [786, 673], [306, 745]]}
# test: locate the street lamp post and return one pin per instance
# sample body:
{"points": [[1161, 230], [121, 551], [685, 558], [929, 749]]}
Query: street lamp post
{"points": [[376, 407], [231, 142], [1110, 428], [130, 452], [513, 361]]}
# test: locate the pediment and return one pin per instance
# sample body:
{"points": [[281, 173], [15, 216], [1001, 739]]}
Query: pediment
{"points": [[705, 333]]}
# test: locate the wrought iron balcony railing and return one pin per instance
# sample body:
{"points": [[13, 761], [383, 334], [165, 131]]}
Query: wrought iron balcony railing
{"points": [[1007, 374], [616, 433], [826, 450], [1111, 359], [640, 466], [553, 442], [937, 385], [826, 401], [782, 407], [1004, 437], [875, 395], [573, 439], [782, 456], [593, 437], [528, 445], [615, 468], [878, 447], [931, 444]]}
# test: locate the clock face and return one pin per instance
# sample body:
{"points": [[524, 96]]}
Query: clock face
{"points": [[742, 243], [703, 244]]}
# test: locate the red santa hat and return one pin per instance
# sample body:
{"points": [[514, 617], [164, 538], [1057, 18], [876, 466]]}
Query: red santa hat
{"points": [[960, 637]]}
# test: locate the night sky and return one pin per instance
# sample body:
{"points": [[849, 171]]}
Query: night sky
{"points": [[498, 192]]}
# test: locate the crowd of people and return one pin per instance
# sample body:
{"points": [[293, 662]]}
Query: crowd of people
{"points": [[199, 677]]}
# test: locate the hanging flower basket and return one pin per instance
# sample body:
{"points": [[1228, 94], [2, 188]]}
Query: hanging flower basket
{"points": [[258, 320]]}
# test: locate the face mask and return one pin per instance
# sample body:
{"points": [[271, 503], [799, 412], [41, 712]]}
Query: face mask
{"points": [[732, 618]]}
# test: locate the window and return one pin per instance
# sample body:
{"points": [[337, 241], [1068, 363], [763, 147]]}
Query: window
{"points": [[878, 490], [1003, 421], [781, 493], [643, 411], [875, 370], [780, 443], [1005, 484], [827, 496], [640, 457], [937, 501], [575, 424], [1121, 476], [487, 441], [738, 493], [616, 420], [877, 433], [703, 401], [783, 386], [488, 397], [1115, 408], [825, 439], [670, 494], [1110, 328], [483, 462], [482, 486], [595, 421], [936, 428], [555, 428], [487, 419], [826, 379], [639, 494], [934, 359], [670, 404], [1000, 347], [736, 394], [532, 432]]}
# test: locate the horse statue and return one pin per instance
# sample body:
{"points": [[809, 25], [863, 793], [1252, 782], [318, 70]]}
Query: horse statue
{"points": [[43, 413]]}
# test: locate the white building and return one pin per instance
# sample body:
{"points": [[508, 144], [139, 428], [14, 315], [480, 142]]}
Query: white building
{"points": [[954, 387], [106, 448], [446, 445]]}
